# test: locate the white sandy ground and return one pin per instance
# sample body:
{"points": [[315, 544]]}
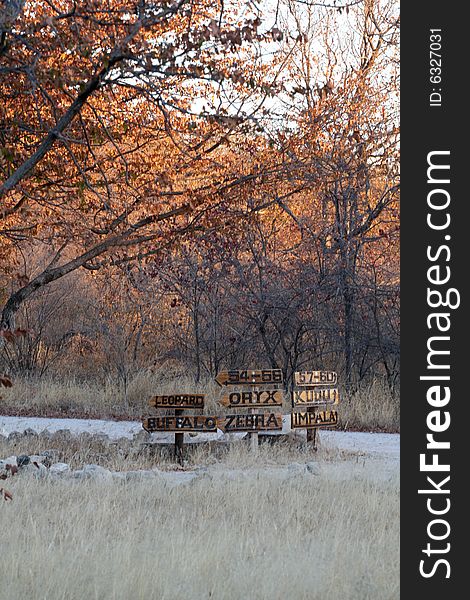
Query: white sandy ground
{"points": [[378, 445]]}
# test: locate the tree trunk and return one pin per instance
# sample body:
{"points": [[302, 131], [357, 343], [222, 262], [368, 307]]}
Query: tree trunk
{"points": [[348, 342]]}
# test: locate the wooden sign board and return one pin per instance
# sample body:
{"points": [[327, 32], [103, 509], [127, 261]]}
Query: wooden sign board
{"points": [[252, 398], [178, 401], [316, 378], [180, 424], [247, 377], [251, 422], [315, 397], [310, 420]]}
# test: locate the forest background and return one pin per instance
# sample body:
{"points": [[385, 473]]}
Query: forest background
{"points": [[188, 186]]}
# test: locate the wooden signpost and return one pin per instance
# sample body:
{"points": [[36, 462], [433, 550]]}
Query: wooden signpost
{"points": [[253, 398], [316, 378], [179, 422], [260, 395], [313, 419], [316, 391], [179, 401], [315, 397], [261, 390], [252, 422], [249, 377]]}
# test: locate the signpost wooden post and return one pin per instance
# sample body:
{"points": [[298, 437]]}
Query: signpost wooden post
{"points": [[312, 435], [263, 392], [179, 440], [254, 437]]}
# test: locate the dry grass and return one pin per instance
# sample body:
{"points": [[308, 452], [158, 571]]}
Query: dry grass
{"points": [[329, 536], [371, 408], [72, 397]]}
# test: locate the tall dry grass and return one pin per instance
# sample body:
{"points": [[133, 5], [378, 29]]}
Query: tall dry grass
{"points": [[100, 399], [332, 535], [372, 407]]}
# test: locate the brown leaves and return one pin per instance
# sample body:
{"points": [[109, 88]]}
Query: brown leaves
{"points": [[277, 34], [214, 28], [6, 381]]}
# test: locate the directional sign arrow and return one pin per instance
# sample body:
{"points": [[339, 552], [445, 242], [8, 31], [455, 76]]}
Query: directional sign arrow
{"points": [[222, 378], [249, 377], [252, 398]]}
